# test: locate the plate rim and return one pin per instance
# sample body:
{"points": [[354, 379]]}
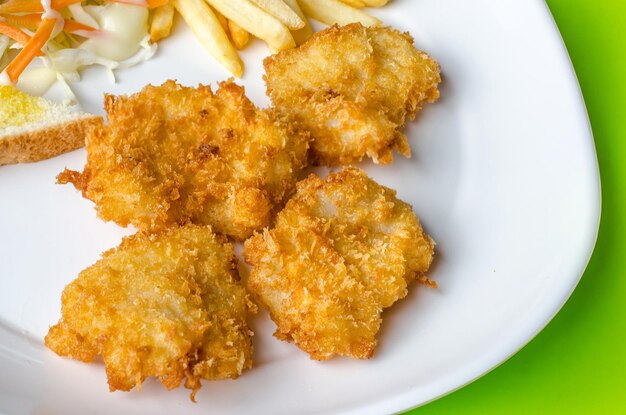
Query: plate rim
{"points": [[510, 345], [406, 401]]}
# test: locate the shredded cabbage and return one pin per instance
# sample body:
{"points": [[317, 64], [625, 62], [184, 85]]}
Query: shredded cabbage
{"points": [[81, 16], [4, 44], [67, 63], [117, 29]]}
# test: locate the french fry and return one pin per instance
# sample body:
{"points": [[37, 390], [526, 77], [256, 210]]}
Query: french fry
{"points": [[208, 29], [148, 3], [375, 3], [223, 21], [300, 35], [256, 21], [333, 12], [239, 36], [282, 12], [162, 21], [354, 3]]}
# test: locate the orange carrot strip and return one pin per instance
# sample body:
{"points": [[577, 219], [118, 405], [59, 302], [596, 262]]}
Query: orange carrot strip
{"points": [[14, 33], [73, 26], [149, 3], [61, 4], [32, 6], [21, 6], [31, 21], [30, 50]]}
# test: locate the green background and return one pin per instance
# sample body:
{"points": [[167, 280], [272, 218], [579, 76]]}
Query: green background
{"points": [[577, 364]]}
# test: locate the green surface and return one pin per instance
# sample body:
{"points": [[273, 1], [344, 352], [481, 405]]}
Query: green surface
{"points": [[577, 364]]}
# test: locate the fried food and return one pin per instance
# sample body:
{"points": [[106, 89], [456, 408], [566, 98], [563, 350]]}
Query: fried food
{"points": [[172, 155], [167, 305], [353, 88], [342, 250], [333, 12], [281, 11], [208, 29], [162, 22], [257, 22], [303, 34]]}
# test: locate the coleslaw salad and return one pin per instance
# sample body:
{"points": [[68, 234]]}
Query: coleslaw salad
{"points": [[43, 41]]}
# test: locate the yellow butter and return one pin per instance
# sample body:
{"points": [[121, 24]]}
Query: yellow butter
{"points": [[17, 108]]}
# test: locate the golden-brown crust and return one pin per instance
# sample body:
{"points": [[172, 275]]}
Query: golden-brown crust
{"points": [[353, 87], [341, 251], [172, 155], [46, 142], [168, 305]]}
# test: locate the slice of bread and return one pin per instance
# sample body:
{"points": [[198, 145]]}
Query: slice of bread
{"points": [[33, 128]]}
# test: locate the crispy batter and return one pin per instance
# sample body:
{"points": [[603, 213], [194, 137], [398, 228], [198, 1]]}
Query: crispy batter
{"points": [[167, 305], [172, 155], [353, 87], [342, 250]]}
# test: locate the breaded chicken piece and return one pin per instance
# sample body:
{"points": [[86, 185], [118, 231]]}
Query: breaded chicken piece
{"points": [[166, 305], [353, 87], [173, 155], [342, 250]]}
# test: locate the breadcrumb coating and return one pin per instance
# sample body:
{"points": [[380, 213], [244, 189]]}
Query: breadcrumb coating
{"points": [[172, 155], [167, 305], [353, 87], [341, 251]]}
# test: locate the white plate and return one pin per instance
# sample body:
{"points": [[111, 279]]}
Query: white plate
{"points": [[504, 177]]}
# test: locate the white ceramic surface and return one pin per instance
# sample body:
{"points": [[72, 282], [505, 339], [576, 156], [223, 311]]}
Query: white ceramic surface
{"points": [[504, 177]]}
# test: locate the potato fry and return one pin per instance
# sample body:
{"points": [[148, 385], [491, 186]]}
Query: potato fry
{"points": [[375, 3], [300, 35], [223, 21], [162, 21], [208, 29], [333, 12], [354, 3], [282, 12], [256, 21], [239, 36]]}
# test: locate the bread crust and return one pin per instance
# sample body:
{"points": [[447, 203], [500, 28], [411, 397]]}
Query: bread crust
{"points": [[46, 142]]}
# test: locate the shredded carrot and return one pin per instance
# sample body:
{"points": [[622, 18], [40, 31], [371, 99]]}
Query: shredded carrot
{"points": [[73, 26], [32, 6], [149, 3], [14, 33], [61, 4], [30, 50], [21, 6], [31, 21]]}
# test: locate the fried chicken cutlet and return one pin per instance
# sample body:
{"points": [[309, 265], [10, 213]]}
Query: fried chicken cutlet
{"points": [[353, 87], [172, 155], [342, 250], [167, 305]]}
